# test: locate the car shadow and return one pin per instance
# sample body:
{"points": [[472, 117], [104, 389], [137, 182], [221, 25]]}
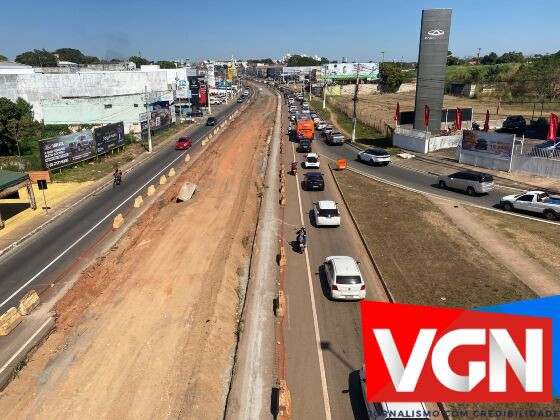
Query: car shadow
{"points": [[357, 402], [324, 283]]}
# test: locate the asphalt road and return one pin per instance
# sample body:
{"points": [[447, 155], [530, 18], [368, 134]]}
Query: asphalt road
{"points": [[51, 252], [322, 335]]}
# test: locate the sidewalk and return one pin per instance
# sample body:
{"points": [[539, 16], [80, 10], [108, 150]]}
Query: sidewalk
{"points": [[61, 197]]}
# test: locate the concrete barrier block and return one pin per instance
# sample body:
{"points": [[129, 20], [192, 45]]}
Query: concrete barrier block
{"points": [[187, 157], [171, 173], [215, 131], [138, 201], [186, 192], [283, 258], [281, 304], [151, 190], [162, 180], [205, 141], [28, 302], [118, 221], [9, 320], [284, 402]]}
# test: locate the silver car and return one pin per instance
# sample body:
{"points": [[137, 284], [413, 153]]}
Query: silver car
{"points": [[472, 182]]}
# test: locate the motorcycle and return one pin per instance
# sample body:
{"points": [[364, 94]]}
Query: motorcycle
{"points": [[302, 241], [117, 180], [294, 168]]}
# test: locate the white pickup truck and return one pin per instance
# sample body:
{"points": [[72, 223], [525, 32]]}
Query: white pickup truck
{"points": [[534, 202]]}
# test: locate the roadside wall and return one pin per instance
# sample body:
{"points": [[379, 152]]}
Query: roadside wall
{"points": [[535, 165], [475, 159], [443, 142]]}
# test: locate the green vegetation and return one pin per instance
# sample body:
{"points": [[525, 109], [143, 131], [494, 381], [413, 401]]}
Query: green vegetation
{"points": [[3, 58], [481, 73], [267, 61], [37, 58], [166, 64], [138, 60], [298, 60], [75, 56], [391, 76]]}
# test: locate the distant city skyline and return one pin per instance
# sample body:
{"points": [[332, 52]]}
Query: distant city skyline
{"points": [[254, 30]]}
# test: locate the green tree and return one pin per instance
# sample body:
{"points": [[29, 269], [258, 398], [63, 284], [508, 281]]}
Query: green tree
{"points": [[70, 54], [491, 58], [138, 60], [511, 57], [89, 59], [3, 58], [298, 60], [16, 123], [167, 64], [391, 76], [37, 58]]}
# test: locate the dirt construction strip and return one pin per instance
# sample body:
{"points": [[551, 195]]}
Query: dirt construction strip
{"points": [[149, 330]]}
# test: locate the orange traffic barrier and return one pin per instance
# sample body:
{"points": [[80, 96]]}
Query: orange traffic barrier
{"points": [[342, 164]]}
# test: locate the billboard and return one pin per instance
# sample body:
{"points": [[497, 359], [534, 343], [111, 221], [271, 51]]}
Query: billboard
{"points": [[211, 75], [499, 145], [66, 150], [160, 117], [194, 87], [109, 137], [202, 94], [229, 75], [349, 71], [432, 61]]}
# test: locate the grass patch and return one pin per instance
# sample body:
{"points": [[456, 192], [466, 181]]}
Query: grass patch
{"points": [[424, 257], [537, 240]]}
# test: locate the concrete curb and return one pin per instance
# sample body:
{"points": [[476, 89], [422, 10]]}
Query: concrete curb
{"points": [[6, 371]]}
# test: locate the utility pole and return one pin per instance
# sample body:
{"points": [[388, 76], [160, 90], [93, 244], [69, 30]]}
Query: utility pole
{"points": [[325, 89], [355, 103], [309, 85], [149, 128], [382, 56], [478, 56]]}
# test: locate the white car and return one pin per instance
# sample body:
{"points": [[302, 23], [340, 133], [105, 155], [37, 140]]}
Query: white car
{"points": [[326, 213], [320, 125], [375, 157], [387, 410], [344, 278], [312, 161], [293, 108]]}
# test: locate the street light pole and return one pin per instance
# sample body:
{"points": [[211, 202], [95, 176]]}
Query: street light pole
{"points": [[148, 122], [382, 56], [355, 103]]}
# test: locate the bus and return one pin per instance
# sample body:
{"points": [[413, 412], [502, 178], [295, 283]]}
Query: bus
{"points": [[305, 129]]}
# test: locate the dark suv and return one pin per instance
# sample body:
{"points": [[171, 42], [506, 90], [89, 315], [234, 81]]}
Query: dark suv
{"points": [[304, 146], [514, 124], [313, 181], [211, 121]]}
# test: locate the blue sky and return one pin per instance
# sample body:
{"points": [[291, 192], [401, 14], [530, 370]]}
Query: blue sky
{"points": [[358, 30]]}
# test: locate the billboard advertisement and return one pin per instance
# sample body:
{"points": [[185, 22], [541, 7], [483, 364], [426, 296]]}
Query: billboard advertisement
{"points": [[202, 94], [211, 75], [194, 87], [499, 145], [160, 117], [229, 75], [349, 71], [66, 150], [432, 61], [109, 137]]}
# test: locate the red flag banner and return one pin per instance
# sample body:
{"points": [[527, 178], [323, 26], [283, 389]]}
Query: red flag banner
{"points": [[552, 127], [458, 118], [398, 113], [487, 121], [426, 115]]}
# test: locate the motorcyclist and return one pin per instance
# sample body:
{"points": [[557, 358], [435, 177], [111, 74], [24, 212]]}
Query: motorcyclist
{"points": [[302, 238], [294, 167], [117, 176]]}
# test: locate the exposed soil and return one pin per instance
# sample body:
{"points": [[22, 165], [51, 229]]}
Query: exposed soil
{"points": [[149, 330]]}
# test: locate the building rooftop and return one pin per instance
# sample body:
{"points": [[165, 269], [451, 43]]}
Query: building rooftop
{"points": [[13, 65]]}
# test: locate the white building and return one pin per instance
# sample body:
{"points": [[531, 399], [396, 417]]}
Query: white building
{"points": [[89, 96], [11, 67]]}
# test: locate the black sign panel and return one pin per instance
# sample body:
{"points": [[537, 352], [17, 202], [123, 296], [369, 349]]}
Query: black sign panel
{"points": [[109, 137], [194, 87], [42, 184], [66, 150], [432, 60]]}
